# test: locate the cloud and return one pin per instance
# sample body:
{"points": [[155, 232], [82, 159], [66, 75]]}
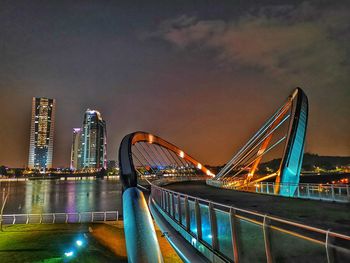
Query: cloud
{"points": [[302, 41]]}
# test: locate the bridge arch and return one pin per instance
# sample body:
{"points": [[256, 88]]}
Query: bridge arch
{"points": [[128, 172]]}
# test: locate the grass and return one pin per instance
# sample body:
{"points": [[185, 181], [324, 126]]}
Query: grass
{"points": [[47, 243]]}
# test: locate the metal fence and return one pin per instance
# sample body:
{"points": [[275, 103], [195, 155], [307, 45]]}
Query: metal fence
{"points": [[54, 218], [327, 192], [229, 234]]}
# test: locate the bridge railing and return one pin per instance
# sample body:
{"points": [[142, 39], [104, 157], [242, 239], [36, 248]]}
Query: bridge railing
{"points": [[56, 218], [327, 192], [229, 234]]}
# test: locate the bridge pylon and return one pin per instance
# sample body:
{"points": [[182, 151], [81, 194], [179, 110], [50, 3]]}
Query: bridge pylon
{"points": [[286, 127]]}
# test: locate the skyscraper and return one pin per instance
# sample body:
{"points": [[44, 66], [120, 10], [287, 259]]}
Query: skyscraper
{"points": [[91, 152], [76, 149], [41, 133]]}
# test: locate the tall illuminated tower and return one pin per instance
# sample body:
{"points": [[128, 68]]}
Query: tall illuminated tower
{"points": [[76, 149], [93, 142], [41, 133]]}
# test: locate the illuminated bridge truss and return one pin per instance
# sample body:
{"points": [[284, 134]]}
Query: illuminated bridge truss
{"points": [[282, 135], [148, 156]]}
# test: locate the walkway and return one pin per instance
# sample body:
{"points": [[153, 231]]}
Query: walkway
{"points": [[325, 215]]}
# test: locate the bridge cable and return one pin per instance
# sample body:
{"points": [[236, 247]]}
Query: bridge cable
{"points": [[260, 155], [263, 129], [251, 150]]}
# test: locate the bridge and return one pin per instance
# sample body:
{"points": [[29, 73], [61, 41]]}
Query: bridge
{"points": [[209, 228]]}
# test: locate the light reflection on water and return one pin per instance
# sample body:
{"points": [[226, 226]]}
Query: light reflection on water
{"points": [[48, 196]]}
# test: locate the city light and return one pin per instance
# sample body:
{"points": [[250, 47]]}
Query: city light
{"points": [[69, 254], [79, 243]]}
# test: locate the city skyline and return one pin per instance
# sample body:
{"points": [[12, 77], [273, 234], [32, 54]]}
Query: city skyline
{"points": [[194, 75]]}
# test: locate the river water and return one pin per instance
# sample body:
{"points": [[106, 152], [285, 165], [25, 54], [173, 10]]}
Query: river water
{"points": [[56, 196]]}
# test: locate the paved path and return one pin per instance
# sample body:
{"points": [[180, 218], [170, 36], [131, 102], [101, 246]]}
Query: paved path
{"points": [[321, 214]]}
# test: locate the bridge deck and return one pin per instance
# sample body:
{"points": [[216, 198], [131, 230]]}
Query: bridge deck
{"points": [[321, 214]]}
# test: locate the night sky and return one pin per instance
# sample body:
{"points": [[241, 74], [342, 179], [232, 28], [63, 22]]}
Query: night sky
{"points": [[202, 74]]}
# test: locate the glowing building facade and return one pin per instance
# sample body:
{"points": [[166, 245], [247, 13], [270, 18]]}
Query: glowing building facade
{"points": [[41, 133], [89, 147], [76, 149]]}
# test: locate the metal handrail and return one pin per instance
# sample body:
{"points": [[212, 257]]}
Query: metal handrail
{"points": [[164, 201], [54, 216], [327, 192], [284, 221]]}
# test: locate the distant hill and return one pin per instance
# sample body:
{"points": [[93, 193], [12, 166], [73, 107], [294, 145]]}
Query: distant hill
{"points": [[325, 161], [310, 162]]}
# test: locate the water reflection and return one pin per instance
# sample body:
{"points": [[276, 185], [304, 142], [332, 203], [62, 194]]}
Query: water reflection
{"points": [[47, 196]]}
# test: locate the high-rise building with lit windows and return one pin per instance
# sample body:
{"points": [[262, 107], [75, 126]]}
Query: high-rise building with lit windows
{"points": [[41, 133], [76, 149], [91, 153]]}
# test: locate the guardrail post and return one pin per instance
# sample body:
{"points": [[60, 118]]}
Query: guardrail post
{"points": [[233, 224], [161, 199], [92, 216], [319, 192], [79, 217], [213, 227], [117, 215], [298, 190], [329, 248], [173, 202], [14, 219], [267, 242], [164, 200], [332, 189], [27, 219], [168, 208], [53, 218], [104, 216], [66, 221], [198, 219], [41, 218], [179, 208], [187, 214]]}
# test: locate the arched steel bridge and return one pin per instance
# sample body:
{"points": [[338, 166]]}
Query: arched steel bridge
{"points": [[146, 156]]}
